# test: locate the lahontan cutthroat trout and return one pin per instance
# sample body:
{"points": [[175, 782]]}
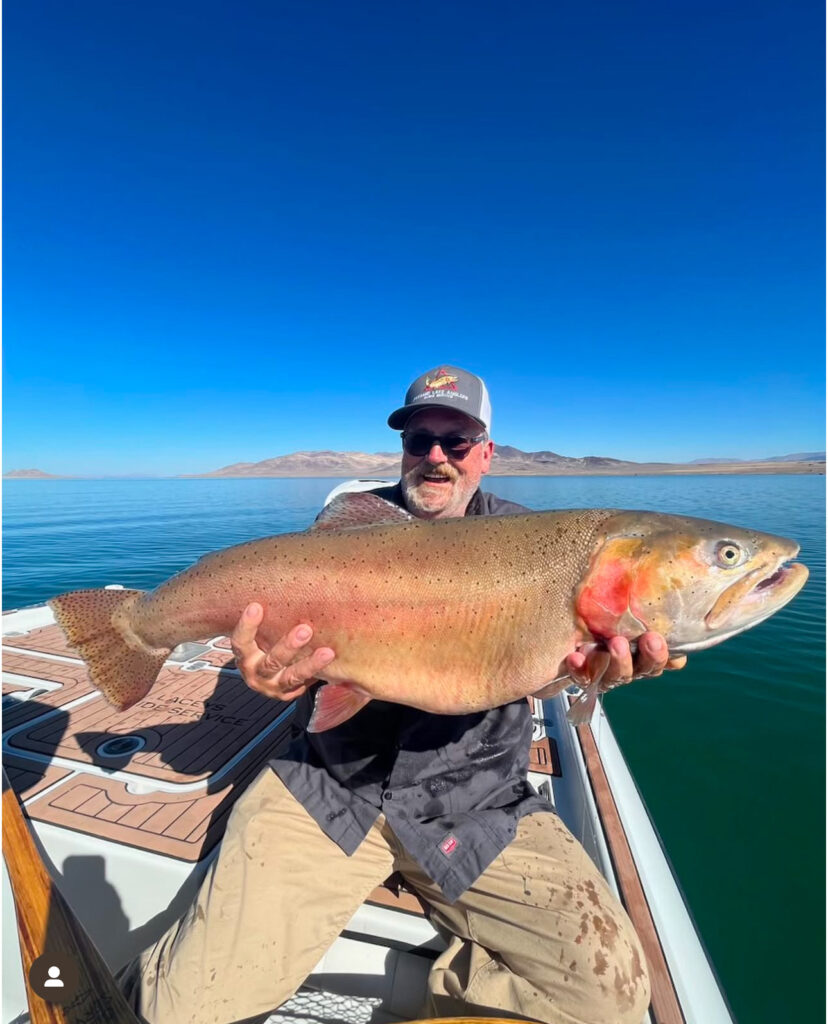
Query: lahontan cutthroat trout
{"points": [[451, 616]]}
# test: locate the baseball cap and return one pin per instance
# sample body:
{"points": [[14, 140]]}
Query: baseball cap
{"points": [[448, 387]]}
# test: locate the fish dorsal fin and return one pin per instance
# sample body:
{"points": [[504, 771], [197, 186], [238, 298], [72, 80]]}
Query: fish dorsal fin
{"points": [[359, 508], [334, 704]]}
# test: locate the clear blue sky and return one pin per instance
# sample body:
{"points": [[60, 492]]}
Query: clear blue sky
{"points": [[237, 230]]}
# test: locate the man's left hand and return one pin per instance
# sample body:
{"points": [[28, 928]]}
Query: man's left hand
{"points": [[615, 665]]}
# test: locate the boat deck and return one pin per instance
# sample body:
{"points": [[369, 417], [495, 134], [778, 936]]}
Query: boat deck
{"points": [[162, 776], [132, 805]]}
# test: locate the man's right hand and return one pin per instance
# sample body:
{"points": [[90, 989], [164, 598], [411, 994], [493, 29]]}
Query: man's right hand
{"points": [[288, 668]]}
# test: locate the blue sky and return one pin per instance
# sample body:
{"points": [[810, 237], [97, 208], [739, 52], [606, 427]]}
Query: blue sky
{"points": [[233, 231]]}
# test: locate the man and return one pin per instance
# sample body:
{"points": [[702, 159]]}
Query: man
{"points": [[531, 928]]}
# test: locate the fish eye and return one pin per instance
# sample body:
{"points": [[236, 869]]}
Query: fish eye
{"points": [[729, 554]]}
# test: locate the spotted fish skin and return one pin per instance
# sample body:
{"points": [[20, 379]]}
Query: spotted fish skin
{"points": [[450, 616]]}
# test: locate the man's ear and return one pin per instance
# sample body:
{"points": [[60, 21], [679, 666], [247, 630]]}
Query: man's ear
{"points": [[488, 451]]}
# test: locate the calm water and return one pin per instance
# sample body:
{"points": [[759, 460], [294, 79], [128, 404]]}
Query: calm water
{"points": [[729, 753]]}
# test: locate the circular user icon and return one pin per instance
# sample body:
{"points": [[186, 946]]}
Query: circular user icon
{"points": [[54, 977]]}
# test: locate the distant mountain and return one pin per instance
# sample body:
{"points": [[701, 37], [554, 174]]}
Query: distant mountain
{"points": [[712, 462], [29, 474], [800, 457], [324, 463], [507, 461]]}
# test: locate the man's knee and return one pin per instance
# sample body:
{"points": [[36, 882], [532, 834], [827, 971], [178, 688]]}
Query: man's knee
{"points": [[623, 986], [606, 984], [556, 984]]}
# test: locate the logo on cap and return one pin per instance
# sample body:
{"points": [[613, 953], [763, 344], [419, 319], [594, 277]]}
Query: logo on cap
{"points": [[444, 381]]}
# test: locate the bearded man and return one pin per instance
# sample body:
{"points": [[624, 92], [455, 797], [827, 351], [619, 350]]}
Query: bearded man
{"points": [[442, 799]]}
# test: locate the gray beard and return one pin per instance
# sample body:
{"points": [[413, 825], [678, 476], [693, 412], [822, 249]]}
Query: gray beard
{"points": [[410, 484]]}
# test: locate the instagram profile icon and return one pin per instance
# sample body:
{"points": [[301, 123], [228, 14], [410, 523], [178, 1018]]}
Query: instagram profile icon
{"points": [[54, 978]]}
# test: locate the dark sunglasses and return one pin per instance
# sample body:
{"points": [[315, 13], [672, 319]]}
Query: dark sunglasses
{"points": [[456, 446]]}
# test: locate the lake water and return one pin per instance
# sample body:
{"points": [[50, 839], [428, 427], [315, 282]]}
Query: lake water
{"points": [[729, 753]]}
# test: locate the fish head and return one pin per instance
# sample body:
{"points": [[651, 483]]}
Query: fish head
{"points": [[695, 581]]}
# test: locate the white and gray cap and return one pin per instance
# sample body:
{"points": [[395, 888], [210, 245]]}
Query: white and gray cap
{"points": [[448, 387]]}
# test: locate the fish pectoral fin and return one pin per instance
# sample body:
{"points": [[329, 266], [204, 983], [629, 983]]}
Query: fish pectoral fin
{"points": [[580, 712], [359, 508], [334, 704]]}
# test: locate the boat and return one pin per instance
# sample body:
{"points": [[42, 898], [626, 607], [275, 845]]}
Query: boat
{"points": [[128, 809]]}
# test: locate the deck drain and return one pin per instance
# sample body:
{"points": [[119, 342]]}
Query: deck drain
{"points": [[186, 651], [121, 746]]}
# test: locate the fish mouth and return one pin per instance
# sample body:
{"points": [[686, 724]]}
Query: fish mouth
{"points": [[781, 585], [781, 574], [757, 596]]}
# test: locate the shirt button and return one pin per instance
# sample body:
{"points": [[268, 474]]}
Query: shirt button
{"points": [[387, 794]]}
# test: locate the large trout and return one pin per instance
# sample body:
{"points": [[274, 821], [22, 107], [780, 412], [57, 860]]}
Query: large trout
{"points": [[450, 616]]}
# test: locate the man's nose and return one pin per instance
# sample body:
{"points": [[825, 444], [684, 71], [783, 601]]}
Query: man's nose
{"points": [[436, 454]]}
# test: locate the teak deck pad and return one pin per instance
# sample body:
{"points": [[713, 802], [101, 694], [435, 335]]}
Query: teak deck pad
{"points": [[179, 758]]}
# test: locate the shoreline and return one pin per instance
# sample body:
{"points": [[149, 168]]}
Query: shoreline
{"points": [[630, 469]]}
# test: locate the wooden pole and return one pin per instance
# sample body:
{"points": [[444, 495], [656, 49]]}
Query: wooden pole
{"points": [[46, 925]]}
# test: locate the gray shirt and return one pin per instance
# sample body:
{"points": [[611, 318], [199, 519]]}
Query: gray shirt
{"points": [[452, 787]]}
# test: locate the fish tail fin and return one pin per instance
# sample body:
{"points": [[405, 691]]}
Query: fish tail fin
{"points": [[96, 623]]}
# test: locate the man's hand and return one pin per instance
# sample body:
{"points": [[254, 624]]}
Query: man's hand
{"points": [[614, 664], [288, 668]]}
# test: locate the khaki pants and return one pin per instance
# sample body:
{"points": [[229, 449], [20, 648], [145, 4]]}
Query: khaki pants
{"points": [[539, 935]]}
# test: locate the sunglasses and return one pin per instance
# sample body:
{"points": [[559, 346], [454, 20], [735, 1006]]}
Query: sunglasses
{"points": [[456, 446]]}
